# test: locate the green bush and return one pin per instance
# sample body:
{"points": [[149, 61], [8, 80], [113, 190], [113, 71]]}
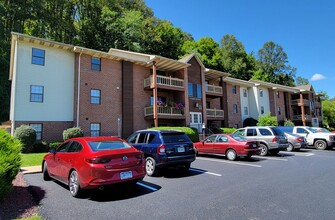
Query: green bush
{"points": [[192, 133], [288, 122], [72, 133], [228, 130], [54, 145], [249, 122], [10, 161], [40, 147], [26, 135], [267, 120]]}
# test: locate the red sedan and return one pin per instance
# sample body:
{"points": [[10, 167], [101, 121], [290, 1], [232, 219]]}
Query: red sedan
{"points": [[230, 145], [93, 162]]}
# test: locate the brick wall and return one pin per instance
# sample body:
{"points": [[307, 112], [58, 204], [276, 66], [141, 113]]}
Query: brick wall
{"points": [[232, 118], [280, 102]]}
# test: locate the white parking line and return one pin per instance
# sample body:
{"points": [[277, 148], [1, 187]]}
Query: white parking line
{"points": [[270, 158], [146, 186], [227, 161], [202, 171], [301, 154]]}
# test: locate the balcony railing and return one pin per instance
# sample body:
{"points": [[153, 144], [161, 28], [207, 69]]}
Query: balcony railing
{"points": [[299, 117], [297, 102], [214, 113], [317, 105], [165, 81], [214, 89], [163, 111]]}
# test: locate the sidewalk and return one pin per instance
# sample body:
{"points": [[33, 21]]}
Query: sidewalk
{"points": [[32, 169]]}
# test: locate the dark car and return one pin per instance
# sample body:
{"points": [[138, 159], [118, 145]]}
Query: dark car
{"points": [[230, 145], [93, 162], [295, 142], [164, 148]]}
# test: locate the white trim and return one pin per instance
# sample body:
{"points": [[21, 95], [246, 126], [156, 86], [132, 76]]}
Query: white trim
{"points": [[78, 88], [13, 92]]}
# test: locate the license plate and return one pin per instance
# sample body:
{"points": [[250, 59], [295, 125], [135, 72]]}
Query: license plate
{"points": [[181, 149], [126, 175]]}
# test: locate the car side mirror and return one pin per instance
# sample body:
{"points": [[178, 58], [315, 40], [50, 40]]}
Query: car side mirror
{"points": [[53, 151]]}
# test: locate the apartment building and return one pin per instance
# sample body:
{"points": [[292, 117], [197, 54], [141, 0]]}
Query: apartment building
{"points": [[56, 86]]}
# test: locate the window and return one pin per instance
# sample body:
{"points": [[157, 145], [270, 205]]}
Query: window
{"points": [[246, 112], [235, 108], [262, 110], [279, 111], [194, 90], [278, 96], [265, 132], [75, 147], [95, 96], [251, 132], [233, 89], [36, 93], [38, 56], [38, 129], [95, 64], [245, 93], [95, 129], [261, 93]]}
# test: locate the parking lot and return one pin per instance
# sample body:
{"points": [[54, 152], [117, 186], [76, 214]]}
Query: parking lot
{"points": [[292, 185]]}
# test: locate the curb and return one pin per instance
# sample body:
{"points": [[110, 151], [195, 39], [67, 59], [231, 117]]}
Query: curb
{"points": [[31, 169]]}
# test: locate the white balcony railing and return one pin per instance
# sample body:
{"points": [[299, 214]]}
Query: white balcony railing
{"points": [[163, 111], [299, 117], [297, 102], [214, 89], [214, 113], [165, 81]]}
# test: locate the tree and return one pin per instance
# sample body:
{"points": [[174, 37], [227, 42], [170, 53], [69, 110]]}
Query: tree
{"points": [[272, 61], [300, 81], [328, 107], [234, 58]]}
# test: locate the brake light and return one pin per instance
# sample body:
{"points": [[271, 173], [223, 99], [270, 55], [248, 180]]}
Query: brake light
{"points": [[98, 160], [161, 149], [275, 139], [299, 139]]}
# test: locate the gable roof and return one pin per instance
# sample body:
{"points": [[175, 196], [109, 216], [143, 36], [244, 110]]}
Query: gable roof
{"points": [[187, 59], [274, 86], [305, 88]]}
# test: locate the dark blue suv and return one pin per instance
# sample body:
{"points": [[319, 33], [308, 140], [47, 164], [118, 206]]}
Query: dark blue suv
{"points": [[164, 148]]}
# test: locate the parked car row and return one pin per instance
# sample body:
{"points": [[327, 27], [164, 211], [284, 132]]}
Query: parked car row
{"points": [[94, 162]]}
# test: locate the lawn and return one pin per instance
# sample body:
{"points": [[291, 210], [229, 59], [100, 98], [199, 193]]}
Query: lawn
{"points": [[32, 159]]}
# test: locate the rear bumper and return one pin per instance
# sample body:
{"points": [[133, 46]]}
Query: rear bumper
{"points": [[300, 145], [174, 160], [331, 143], [250, 152], [277, 146]]}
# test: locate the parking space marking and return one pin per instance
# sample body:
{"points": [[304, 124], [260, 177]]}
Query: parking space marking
{"points": [[146, 186], [202, 171], [231, 162], [270, 158]]}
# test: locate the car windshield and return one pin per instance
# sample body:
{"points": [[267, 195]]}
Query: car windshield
{"points": [[107, 145], [312, 130], [175, 138], [322, 130], [238, 137]]}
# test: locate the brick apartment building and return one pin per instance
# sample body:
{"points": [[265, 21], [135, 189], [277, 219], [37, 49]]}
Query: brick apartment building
{"points": [[56, 86]]}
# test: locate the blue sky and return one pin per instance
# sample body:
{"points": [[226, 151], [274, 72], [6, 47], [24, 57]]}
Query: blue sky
{"points": [[304, 28]]}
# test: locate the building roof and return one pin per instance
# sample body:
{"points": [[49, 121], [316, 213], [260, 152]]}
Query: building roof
{"points": [[305, 88], [275, 86], [211, 74], [239, 82], [187, 59]]}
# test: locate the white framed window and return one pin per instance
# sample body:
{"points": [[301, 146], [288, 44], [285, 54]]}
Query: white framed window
{"points": [[95, 64], [36, 93], [245, 94], [95, 129], [261, 93], [96, 96], [234, 90], [38, 128], [38, 56], [262, 110], [279, 111], [235, 110], [246, 112]]}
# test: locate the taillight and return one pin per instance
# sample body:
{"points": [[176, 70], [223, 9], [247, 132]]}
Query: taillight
{"points": [[299, 139], [161, 149], [275, 139], [98, 160]]}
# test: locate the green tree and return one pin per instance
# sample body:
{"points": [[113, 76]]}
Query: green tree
{"points": [[273, 62], [300, 81], [267, 120], [328, 107]]}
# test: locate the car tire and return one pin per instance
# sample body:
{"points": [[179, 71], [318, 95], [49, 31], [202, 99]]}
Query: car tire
{"points": [[46, 175], [320, 145], [74, 185], [231, 154], [264, 150], [150, 167], [290, 147]]}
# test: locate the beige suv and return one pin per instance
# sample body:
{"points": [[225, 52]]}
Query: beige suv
{"points": [[271, 139]]}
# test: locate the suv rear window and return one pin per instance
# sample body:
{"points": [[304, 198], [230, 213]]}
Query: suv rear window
{"points": [[277, 131], [175, 138]]}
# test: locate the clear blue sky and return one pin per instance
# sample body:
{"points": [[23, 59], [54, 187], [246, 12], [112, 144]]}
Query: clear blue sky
{"points": [[304, 28]]}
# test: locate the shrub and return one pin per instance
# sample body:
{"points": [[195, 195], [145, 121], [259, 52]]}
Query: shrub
{"points": [[192, 133], [10, 161], [228, 130], [54, 145], [267, 120], [72, 133], [26, 135], [40, 147], [288, 122], [249, 122]]}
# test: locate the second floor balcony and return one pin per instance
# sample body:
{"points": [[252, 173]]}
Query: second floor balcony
{"points": [[215, 90], [165, 82], [298, 103], [215, 113], [299, 118], [162, 111]]}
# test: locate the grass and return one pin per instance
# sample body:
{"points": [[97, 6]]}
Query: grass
{"points": [[35, 217], [32, 159]]}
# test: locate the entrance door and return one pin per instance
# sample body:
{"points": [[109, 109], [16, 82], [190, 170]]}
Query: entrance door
{"points": [[196, 121]]}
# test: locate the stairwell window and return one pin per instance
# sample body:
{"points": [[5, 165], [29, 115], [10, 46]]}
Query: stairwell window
{"points": [[234, 89], [38, 56], [262, 110], [95, 129], [96, 64], [95, 96], [245, 93], [246, 112], [235, 108], [194, 90], [261, 93], [36, 93]]}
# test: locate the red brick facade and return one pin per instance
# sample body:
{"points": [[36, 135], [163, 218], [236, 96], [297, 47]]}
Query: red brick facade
{"points": [[233, 119]]}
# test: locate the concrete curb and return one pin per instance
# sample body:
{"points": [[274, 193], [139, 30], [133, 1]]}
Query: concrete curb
{"points": [[31, 169]]}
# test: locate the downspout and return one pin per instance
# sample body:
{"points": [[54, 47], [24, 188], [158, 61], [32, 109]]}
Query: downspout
{"points": [[154, 77], [13, 92], [78, 87], [302, 110]]}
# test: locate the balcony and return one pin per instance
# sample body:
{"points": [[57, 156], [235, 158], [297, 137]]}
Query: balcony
{"points": [[214, 113], [299, 118], [165, 82], [168, 112], [317, 105], [214, 90], [297, 102]]}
